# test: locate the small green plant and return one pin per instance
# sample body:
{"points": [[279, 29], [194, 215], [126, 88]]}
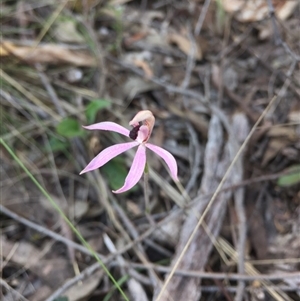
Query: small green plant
{"points": [[117, 26], [220, 17], [94, 107], [69, 128], [116, 172], [292, 178], [62, 214], [56, 144]]}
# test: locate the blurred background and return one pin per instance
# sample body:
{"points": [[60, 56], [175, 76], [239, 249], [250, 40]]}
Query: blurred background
{"points": [[207, 69]]}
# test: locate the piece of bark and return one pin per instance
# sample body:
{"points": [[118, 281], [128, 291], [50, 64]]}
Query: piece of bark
{"points": [[184, 288], [217, 160]]}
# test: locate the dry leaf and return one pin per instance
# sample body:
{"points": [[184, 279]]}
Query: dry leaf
{"points": [[134, 38], [41, 293], [185, 45], [118, 2], [133, 208], [168, 232], [80, 209], [24, 253], [145, 66], [85, 288], [52, 271], [66, 31], [136, 85], [284, 132], [294, 116], [47, 53], [140, 60], [136, 290], [79, 5], [156, 39], [274, 147], [229, 77], [257, 10]]}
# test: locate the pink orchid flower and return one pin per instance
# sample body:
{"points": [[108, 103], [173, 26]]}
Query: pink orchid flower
{"points": [[142, 123]]}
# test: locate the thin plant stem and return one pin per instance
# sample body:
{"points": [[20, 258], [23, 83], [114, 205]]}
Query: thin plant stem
{"points": [[146, 194], [213, 198], [146, 189], [59, 210]]}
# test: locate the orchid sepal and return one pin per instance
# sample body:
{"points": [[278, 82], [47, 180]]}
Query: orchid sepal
{"points": [[136, 170], [108, 126]]}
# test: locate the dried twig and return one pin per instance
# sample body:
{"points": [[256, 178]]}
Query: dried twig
{"points": [[195, 164], [94, 267], [183, 288], [99, 52], [139, 249], [240, 130], [190, 62], [30, 96], [136, 290], [50, 90], [233, 289], [45, 231], [69, 283], [278, 39], [201, 17], [277, 294], [169, 87], [209, 275], [209, 205], [14, 294]]}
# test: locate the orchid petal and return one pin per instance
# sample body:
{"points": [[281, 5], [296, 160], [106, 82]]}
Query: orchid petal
{"points": [[167, 157], [136, 169], [107, 154], [108, 126]]}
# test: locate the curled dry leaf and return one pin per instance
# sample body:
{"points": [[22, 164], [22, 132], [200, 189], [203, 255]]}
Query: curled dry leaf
{"points": [[288, 133], [145, 66], [280, 139], [294, 116], [84, 289], [168, 232], [275, 146], [133, 208], [52, 271], [41, 293], [47, 53], [136, 85], [141, 60], [136, 290], [185, 45], [257, 10], [66, 31], [128, 41]]}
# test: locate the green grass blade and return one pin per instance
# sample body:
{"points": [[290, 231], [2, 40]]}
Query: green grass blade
{"points": [[57, 208]]}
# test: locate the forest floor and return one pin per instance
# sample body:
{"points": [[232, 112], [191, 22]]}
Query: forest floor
{"points": [[222, 78]]}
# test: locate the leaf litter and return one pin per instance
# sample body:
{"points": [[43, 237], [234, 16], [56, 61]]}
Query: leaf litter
{"points": [[149, 58]]}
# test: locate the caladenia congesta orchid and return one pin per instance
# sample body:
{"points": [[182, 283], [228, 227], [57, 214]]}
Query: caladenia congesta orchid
{"points": [[142, 123]]}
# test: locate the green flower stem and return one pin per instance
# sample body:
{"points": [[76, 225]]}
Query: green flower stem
{"points": [[57, 208]]}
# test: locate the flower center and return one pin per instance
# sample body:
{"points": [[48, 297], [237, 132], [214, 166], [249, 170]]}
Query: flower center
{"points": [[139, 133], [134, 132]]}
